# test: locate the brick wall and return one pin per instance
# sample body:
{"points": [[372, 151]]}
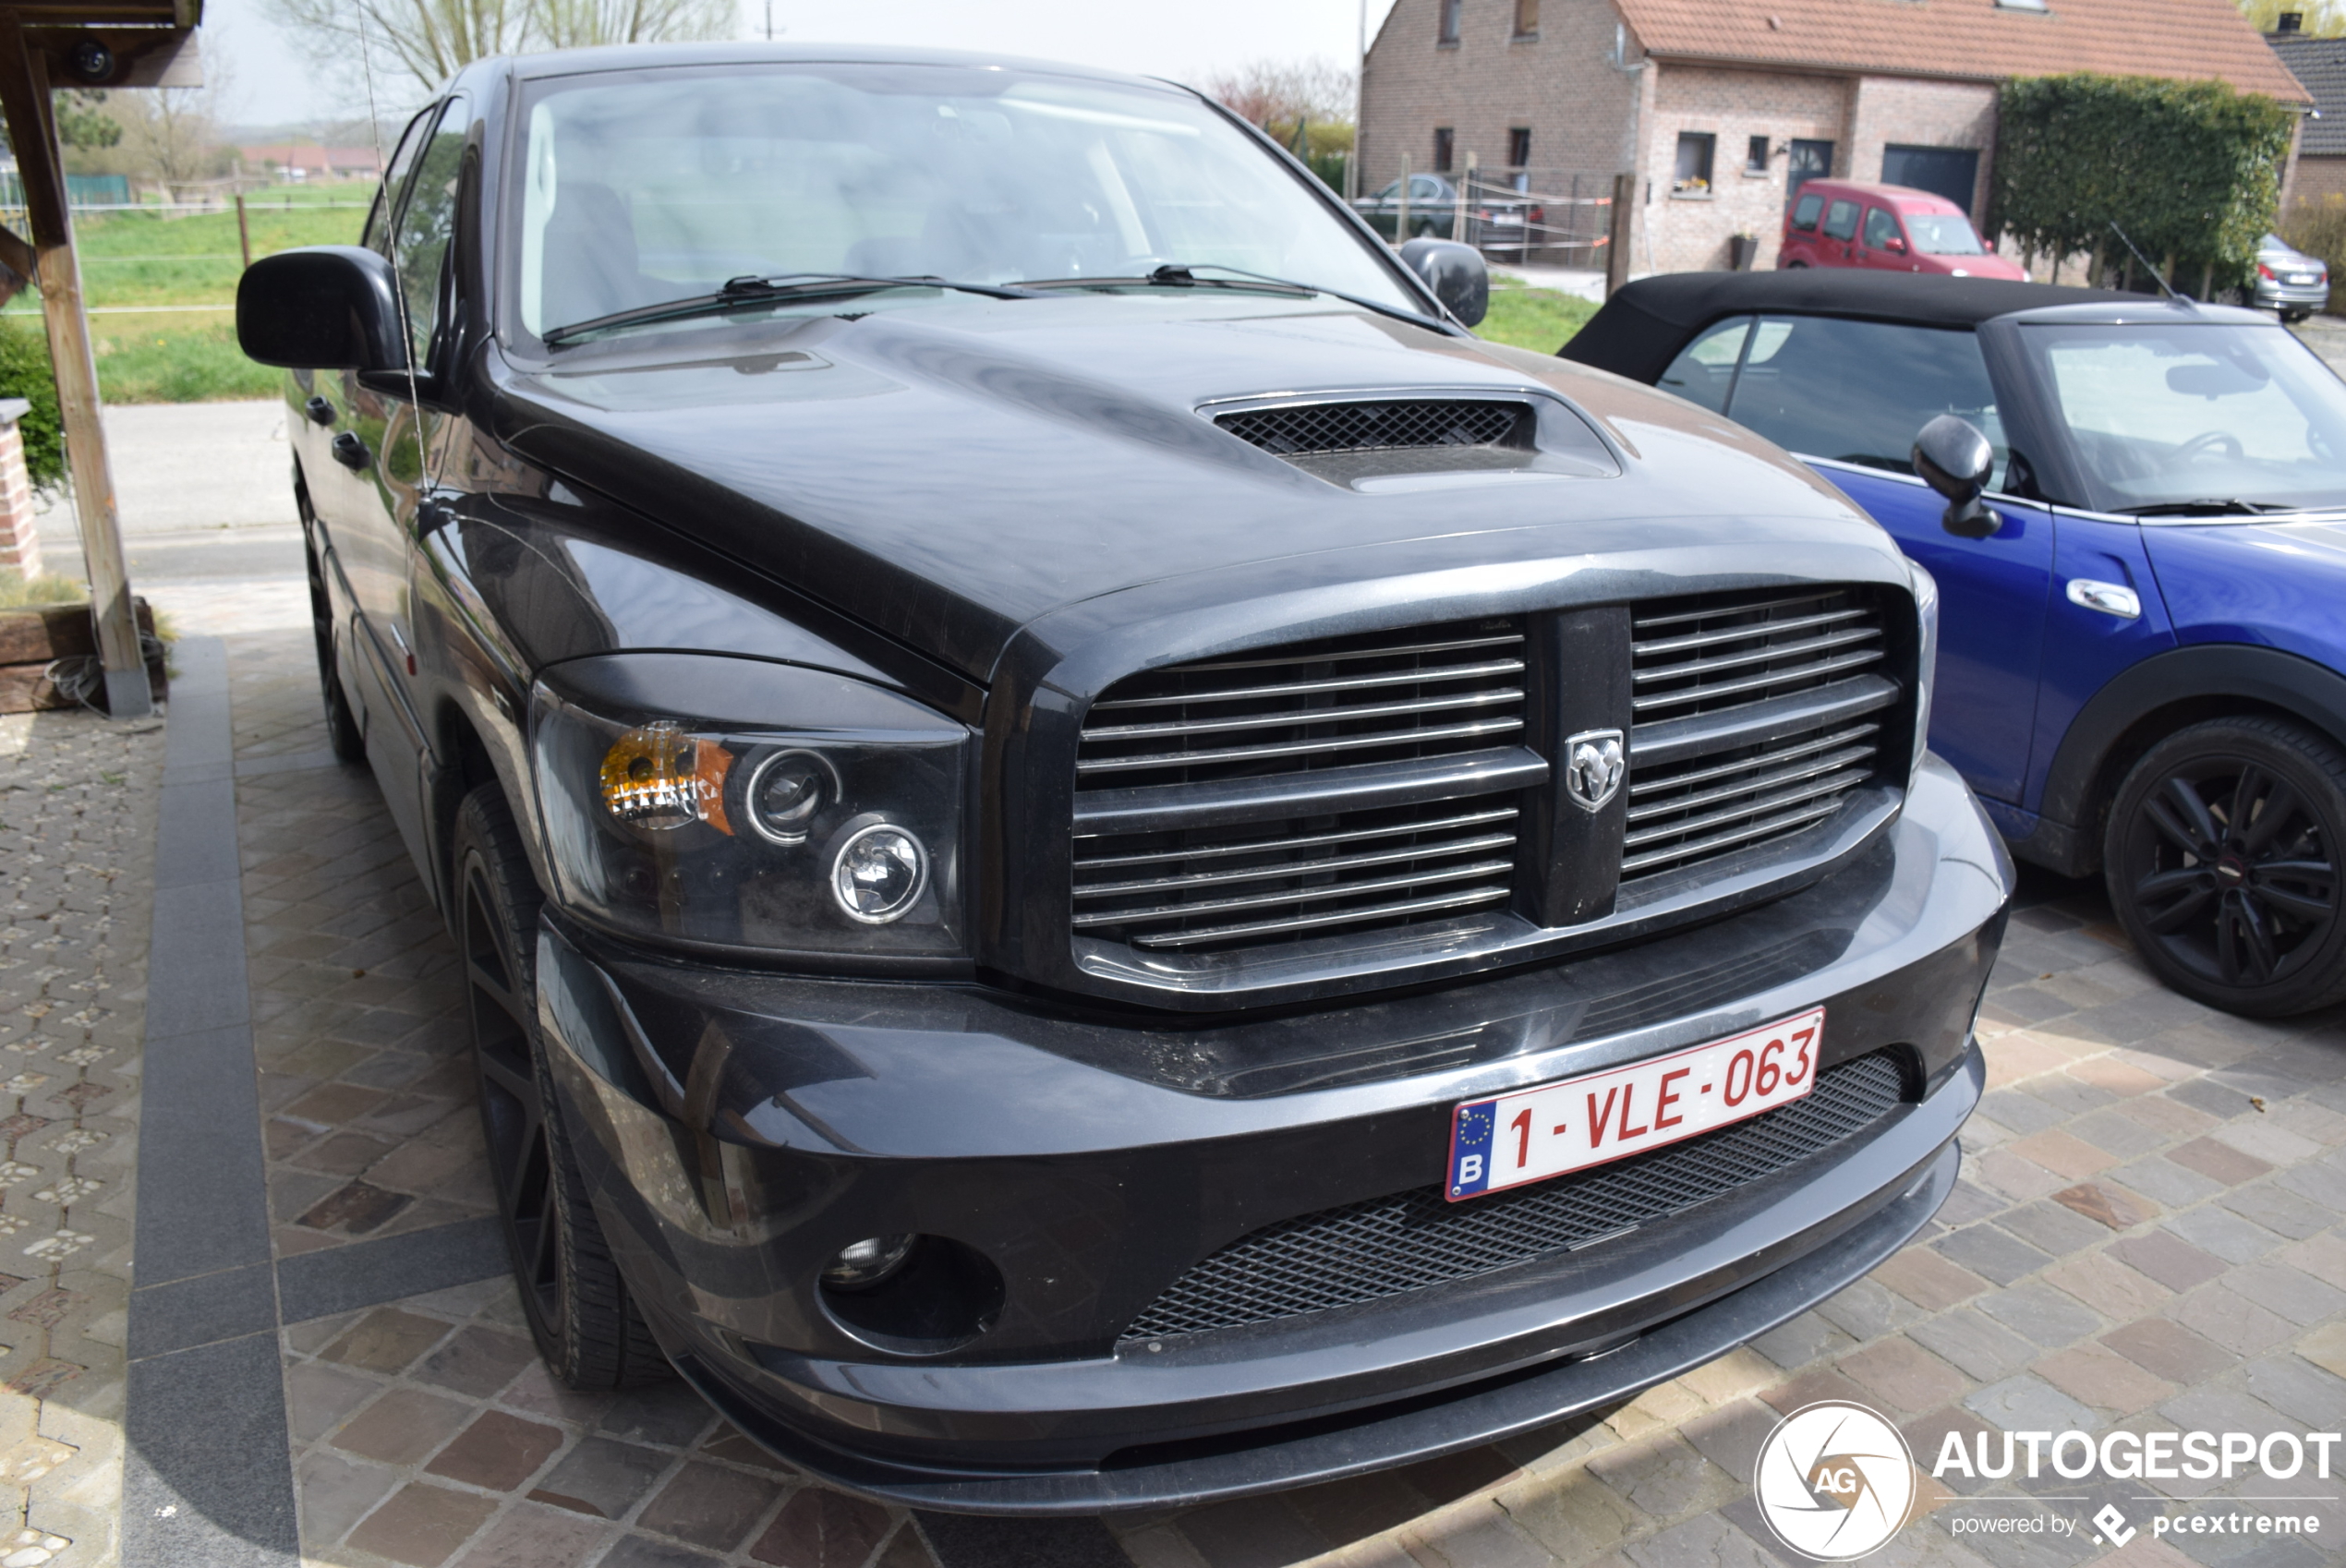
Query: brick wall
{"points": [[1557, 84], [19, 546], [1689, 233], [2318, 178], [1884, 110]]}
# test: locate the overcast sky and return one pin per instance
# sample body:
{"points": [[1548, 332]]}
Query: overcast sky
{"points": [[272, 84]]}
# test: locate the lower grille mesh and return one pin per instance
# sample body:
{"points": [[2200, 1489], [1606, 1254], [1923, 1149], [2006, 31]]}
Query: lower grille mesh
{"points": [[1363, 1251]]}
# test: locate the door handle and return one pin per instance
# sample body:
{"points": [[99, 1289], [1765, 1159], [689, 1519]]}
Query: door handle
{"points": [[321, 412], [349, 451]]}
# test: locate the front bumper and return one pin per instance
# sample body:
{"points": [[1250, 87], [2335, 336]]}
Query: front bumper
{"points": [[738, 1128]]}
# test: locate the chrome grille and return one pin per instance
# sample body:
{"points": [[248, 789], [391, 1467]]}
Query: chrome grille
{"points": [[1335, 716], [1689, 656], [1370, 427], [1368, 1250], [1716, 778], [1420, 692], [1219, 887]]}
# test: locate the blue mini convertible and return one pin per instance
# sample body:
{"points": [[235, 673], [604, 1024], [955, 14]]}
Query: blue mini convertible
{"points": [[2136, 513]]}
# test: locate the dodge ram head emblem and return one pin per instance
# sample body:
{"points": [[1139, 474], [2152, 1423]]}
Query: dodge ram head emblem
{"points": [[1595, 762]]}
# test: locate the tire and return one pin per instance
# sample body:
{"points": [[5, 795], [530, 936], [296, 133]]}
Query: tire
{"points": [[347, 740], [2223, 856], [579, 1311]]}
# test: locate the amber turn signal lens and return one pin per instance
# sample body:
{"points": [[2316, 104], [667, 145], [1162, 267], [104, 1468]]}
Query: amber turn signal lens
{"points": [[659, 777]]}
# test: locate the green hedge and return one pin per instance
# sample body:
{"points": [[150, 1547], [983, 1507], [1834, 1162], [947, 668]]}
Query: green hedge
{"points": [[24, 372], [2190, 169]]}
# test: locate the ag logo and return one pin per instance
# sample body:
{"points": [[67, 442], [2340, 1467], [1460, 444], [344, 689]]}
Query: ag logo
{"points": [[1593, 764], [1834, 1481]]}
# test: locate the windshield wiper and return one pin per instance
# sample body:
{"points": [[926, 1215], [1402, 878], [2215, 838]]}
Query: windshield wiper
{"points": [[2213, 508], [1183, 274], [750, 290]]}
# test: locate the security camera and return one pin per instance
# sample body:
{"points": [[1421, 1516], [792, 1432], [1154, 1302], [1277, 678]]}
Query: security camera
{"points": [[90, 61]]}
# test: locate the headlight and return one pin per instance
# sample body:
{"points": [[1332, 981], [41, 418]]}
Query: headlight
{"points": [[1926, 588], [749, 804]]}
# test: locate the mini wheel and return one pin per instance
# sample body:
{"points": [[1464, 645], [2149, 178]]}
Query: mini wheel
{"points": [[2221, 857]]}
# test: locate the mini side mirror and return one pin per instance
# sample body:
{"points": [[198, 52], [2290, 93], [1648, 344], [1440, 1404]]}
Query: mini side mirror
{"points": [[1954, 459], [323, 308], [1455, 274]]}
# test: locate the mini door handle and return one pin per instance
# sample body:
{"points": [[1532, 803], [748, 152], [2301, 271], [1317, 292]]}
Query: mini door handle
{"points": [[319, 411], [2110, 598], [349, 451]]}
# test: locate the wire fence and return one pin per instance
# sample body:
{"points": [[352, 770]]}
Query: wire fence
{"points": [[1556, 217]]}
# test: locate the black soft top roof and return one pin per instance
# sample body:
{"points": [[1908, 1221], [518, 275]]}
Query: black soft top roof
{"points": [[1645, 323]]}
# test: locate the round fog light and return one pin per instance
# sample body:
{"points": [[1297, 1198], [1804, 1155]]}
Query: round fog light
{"points": [[862, 1264], [879, 874]]}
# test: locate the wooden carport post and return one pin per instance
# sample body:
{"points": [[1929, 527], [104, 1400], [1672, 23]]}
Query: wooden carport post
{"points": [[33, 132]]}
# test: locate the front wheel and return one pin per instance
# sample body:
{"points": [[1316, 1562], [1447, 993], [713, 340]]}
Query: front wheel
{"points": [[2221, 857], [578, 1307]]}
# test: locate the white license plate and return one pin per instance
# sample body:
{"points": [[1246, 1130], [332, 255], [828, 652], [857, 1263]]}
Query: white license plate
{"points": [[2301, 277], [1536, 1133]]}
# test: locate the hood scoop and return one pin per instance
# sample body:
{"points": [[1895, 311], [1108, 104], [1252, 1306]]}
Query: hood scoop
{"points": [[1407, 442]]}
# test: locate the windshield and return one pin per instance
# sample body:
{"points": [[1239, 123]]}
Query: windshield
{"points": [[2169, 415], [1943, 233], [659, 187]]}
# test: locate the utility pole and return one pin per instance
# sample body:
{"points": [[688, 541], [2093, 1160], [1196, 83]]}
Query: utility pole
{"points": [[1360, 108], [244, 230]]}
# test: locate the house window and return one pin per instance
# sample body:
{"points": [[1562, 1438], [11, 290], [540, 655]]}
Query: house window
{"points": [[1519, 147], [1527, 19], [1754, 156], [1693, 176], [1449, 33], [1446, 141]]}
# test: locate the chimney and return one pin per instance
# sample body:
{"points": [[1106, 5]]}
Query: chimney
{"points": [[2290, 22]]}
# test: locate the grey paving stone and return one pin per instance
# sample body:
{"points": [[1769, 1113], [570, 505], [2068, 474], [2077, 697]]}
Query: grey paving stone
{"points": [[1866, 1310], [1994, 1255], [2166, 1181], [1977, 1346], [2323, 1181], [2300, 1391], [2223, 1233], [1802, 1339], [2038, 1312], [2220, 1409], [2024, 1114], [2028, 1403], [2278, 1209], [184, 1414], [2055, 1228], [2297, 1297], [2201, 1094], [2120, 1135], [2067, 1096], [181, 1314], [1967, 1203]]}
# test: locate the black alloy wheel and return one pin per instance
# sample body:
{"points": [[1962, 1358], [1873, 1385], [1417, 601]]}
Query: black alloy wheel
{"points": [[579, 1311], [347, 740], [2222, 861]]}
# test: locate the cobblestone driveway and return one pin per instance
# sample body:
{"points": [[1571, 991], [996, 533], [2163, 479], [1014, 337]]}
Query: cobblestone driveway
{"points": [[2146, 1235]]}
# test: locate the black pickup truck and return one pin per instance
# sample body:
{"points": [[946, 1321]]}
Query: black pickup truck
{"points": [[1100, 861]]}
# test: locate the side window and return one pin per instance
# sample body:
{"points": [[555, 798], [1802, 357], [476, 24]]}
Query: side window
{"points": [[403, 158], [1859, 391], [1804, 215], [427, 222], [1426, 187], [1880, 228], [1842, 222], [1705, 370]]}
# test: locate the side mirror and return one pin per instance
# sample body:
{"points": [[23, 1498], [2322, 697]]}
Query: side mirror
{"points": [[325, 308], [1455, 274], [1954, 459], [1894, 243]]}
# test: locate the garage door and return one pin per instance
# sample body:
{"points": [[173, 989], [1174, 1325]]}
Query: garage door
{"points": [[1951, 172]]}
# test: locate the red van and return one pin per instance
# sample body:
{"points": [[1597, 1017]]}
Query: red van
{"points": [[1893, 228]]}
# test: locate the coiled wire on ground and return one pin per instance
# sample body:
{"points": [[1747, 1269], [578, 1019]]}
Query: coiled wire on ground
{"points": [[77, 678]]}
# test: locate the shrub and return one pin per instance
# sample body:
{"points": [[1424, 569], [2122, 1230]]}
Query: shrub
{"points": [[2191, 170], [2319, 229], [24, 372]]}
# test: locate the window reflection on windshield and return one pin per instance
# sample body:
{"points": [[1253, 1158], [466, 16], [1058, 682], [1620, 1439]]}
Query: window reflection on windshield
{"points": [[659, 187], [1857, 391], [1943, 233], [2161, 415]]}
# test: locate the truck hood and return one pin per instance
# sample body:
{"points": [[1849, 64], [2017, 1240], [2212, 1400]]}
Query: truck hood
{"points": [[949, 473]]}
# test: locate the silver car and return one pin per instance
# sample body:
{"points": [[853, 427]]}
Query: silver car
{"points": [[2287, 281]]}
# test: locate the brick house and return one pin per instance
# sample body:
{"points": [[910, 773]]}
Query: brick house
{"points": [[2320, 64], [1724, 106]]}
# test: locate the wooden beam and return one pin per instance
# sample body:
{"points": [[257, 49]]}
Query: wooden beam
{"points": [[33, 132]]}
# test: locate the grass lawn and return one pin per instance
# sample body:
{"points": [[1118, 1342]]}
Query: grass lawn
{"points": [[142, 259], [1537, 319]]}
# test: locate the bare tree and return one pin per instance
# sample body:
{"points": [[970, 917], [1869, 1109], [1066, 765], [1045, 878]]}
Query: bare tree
{"points": [[576, 24], [1274, 92]]}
